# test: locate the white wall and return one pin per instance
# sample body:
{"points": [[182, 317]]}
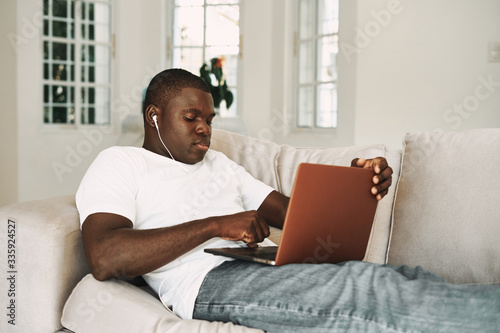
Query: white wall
{"points": [[8, 111], [430, 56]]}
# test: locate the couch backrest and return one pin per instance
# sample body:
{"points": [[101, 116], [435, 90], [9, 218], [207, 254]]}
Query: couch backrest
{"points": [[276, 165]]}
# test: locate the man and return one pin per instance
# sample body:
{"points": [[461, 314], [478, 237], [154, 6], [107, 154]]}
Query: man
{"points": [[151, 211]]}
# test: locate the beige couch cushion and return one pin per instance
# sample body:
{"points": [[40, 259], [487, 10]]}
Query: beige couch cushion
{"points": [[290, 157], [447, 212], [118, 306]]}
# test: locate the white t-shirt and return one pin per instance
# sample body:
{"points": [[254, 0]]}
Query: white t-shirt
{"points": [[153, 191]]}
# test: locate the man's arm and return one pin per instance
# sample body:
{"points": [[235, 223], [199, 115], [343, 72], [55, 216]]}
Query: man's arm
{"points": [[114, 249], [273, 209]]}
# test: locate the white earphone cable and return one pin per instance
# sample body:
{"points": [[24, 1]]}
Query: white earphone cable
{"points": [[159, 136]]}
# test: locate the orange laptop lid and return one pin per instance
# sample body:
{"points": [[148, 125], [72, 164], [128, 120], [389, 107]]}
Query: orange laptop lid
{"points": [[329, 217]]}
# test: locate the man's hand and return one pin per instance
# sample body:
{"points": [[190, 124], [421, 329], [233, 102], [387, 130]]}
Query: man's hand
{"points": [[249, 227], [383, 174]]}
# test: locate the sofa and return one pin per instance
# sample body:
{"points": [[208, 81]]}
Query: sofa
{"points": [[442, 213]]}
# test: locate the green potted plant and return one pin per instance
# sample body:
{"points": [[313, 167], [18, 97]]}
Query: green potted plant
{"points": [[220, 91]]}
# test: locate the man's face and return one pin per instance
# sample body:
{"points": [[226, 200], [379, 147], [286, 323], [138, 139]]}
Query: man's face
{"points": [[185, 125]]}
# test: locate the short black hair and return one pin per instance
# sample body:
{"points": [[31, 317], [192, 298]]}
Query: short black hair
{"points": [[168, 84]]}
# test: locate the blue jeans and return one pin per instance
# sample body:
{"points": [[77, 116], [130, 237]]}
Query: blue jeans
{"points": [[346, 297]]}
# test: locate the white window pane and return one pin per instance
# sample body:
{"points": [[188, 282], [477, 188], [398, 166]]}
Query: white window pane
{"points": [[101, 75], [217, 51], [188, 3], [328, 17], [99, 33], [327, 58], [101, 13], [306, 63], [231, 70], [306, 16], [101, 105], [102, 55], [305, 107], [222, 2], [190, 59], [223, 25], [188, 26], [326, 106]]}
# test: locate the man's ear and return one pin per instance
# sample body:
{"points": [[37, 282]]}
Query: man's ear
{"points": [[150, 111]]}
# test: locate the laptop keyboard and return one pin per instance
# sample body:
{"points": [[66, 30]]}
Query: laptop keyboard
{"points": [[265, 255]]}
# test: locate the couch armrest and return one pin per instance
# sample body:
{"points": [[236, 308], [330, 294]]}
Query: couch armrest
{"points": [[49, 262]]}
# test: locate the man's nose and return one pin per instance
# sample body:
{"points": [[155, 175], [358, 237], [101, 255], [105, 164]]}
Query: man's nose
{"points": [[203, 128]]}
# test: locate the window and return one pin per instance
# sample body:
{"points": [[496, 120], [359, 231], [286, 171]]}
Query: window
{"points": [[317, 48], [76, 62], [203, 30]]}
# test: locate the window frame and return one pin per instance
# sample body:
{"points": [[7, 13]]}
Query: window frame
{"points": [[170, 47], [294, 86], [75, 83]]}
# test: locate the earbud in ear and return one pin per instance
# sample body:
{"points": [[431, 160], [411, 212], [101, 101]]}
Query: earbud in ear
{"points": [[154, 119]]}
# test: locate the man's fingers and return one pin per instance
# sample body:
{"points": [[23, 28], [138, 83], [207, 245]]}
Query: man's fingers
{"points": [[381, 195], [258, 230], [358, 162], [381, 189], [379, 164], [382, 176]]}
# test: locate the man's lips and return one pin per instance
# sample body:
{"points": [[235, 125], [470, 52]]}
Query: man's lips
{"points": [[202, 145]]}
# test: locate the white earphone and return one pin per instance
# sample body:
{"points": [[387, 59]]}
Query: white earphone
{"points": [[159, 136]]}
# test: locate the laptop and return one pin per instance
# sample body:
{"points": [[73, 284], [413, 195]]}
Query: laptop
{"points": [[329, 219]]}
